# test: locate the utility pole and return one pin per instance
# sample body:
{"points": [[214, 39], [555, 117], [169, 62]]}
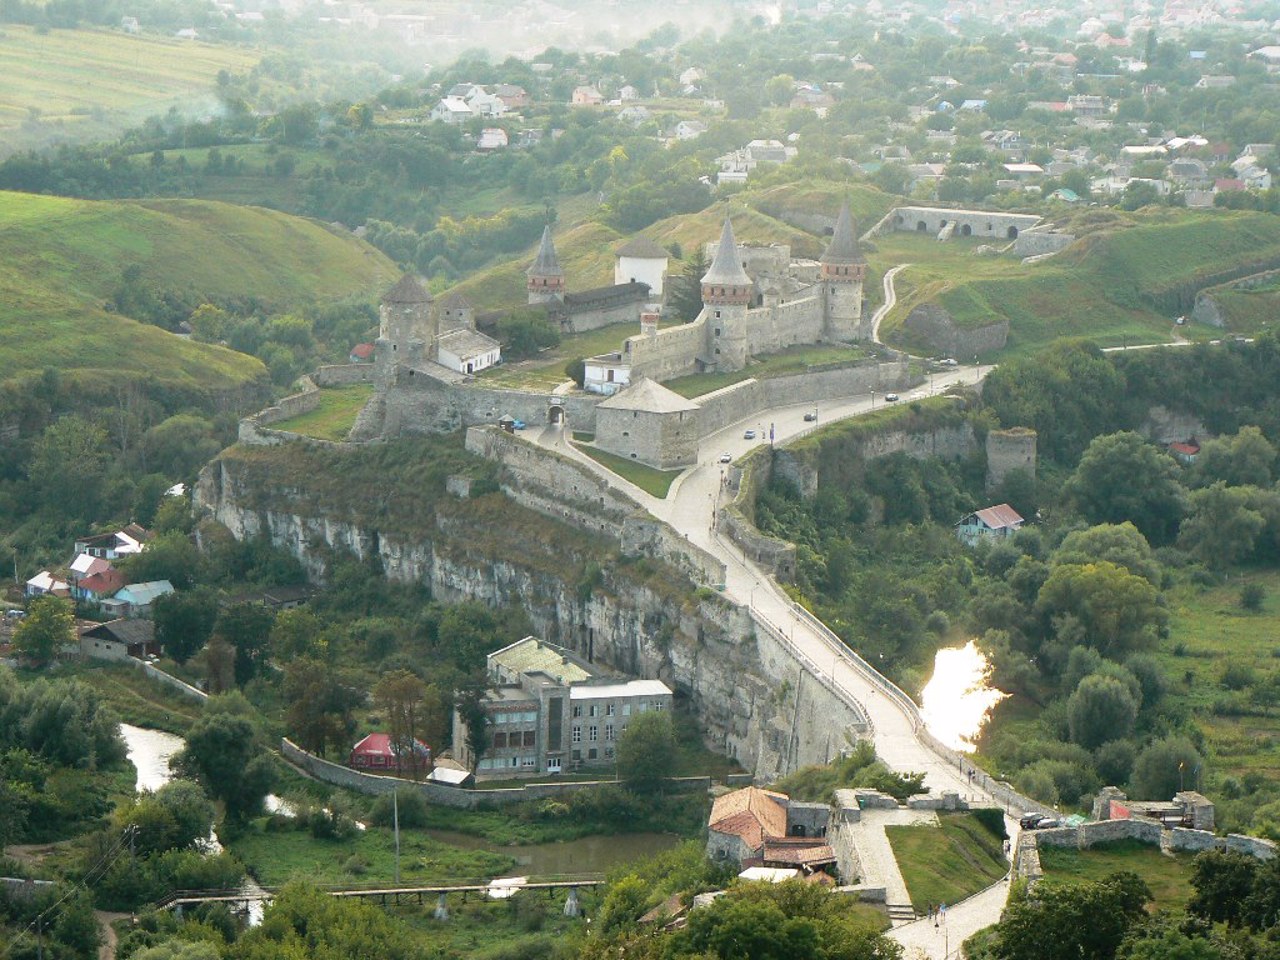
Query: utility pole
{"points": [[395, 812]]}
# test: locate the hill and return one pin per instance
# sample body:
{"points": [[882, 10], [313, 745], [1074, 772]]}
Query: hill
{"points": [[1123, 281], [61, 259], [75, 85]]}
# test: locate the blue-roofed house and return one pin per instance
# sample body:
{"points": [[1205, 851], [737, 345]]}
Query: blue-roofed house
{"points": [[135, 599]]}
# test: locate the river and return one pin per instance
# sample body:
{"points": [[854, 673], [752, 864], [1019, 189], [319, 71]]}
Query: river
{"points": [[958, 698]]}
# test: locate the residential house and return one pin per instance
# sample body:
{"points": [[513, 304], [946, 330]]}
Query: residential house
{"points": [[993, 523], [492, 138], [628, 92], [465, 91], [361, 353], [691, 75], [119, 640], [586, 97], [135, 599], [44, 583], [377, 752], [1215, 82], [636, 114], [468, 351], [1185, 452], [98, 587], [549, 710], [1087, 105], [85, 565], [452, 110], [514, 97], [690, 129], [1024, 171], [486, 105], [606, 374], [760, 828], [125, 542]]}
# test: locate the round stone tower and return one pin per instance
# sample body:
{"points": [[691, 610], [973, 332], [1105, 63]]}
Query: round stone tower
{"points": [[843, 269], [545, 276], [727, 292], [1009, 450]]}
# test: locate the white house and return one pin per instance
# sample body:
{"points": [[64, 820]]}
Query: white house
{"points": [[492, 138], [640, 260], [487, 104], [606, 374], [468, 351], [993, 523], [690, 129], [135, 599], [452, 110], [45, 582]]}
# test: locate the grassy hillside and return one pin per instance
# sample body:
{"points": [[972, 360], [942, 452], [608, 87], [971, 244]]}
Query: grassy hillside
{"points": [[79, 84], [1123, 281], [61, 259]]}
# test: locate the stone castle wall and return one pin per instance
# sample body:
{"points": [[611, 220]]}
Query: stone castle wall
{"points": [[1009, 450], [799, 321], [1039, 242], [670, 352], [343, 374], [982, 224], [932, 323]]}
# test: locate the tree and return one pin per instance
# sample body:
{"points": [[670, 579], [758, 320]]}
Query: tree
{"points": [[68, 466], [471, 709], [169, 556], [320, 705], [1221, 528], [1222, 879], [1243, 460], [1117, 613], [1100, 709], [222, 753], [1122, 477], [175, 817], [296, 633], [1122, 544], [645, 751], [404, 698], [1070, 922], [48, 626], [1165, 767], [246, 627], [684, 289], [184, 621]]}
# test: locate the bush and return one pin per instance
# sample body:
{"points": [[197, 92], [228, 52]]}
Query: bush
{"points": [[1237, 676], [1252, 596], [413, 809]]}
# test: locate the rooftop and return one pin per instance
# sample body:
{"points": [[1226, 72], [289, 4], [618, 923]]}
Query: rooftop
{"points": [[648, 396], [632, 688], [726, 269], [407, 290], [532, 655], [642, 248]]}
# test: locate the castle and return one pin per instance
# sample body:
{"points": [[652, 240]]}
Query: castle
{"points": [[426, 356]]}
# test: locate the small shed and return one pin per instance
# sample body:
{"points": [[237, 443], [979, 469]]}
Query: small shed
{"points": [[119, 640], [648, 423]]}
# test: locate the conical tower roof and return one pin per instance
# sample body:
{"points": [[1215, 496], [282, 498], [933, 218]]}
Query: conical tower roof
{"points": [[407, 290], [726, 270], [546, 263], [843, 247]]}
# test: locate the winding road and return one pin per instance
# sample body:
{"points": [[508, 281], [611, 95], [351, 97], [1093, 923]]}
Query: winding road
{"points": [[690, 508]]}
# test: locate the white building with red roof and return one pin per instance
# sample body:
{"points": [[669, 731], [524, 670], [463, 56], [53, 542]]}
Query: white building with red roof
{"points": [[993, 523]]}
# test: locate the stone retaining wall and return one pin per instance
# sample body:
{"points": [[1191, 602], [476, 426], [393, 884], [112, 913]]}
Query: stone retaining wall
{"points": [[449, 796], [169, 680], [343, 374]]}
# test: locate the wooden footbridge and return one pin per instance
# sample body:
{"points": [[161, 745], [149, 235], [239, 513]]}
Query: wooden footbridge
{"points": [[501, 888]]}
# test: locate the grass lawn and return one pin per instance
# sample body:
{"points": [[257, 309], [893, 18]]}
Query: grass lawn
{"points": [[800, 359], [651, 481], [948, 863], [546, 370], [137, 699], [1168, 877], [526, 925], [368, 857], [336, 415]]}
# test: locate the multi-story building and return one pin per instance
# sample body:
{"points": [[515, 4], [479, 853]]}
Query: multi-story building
{"points": [[549, 711]]}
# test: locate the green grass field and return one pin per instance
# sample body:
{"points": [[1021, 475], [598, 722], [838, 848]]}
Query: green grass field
{"points": [[61, 259], [651, 481], [87, 83], [1169, 877], [948, 863], [336, 415], [368, 857]]}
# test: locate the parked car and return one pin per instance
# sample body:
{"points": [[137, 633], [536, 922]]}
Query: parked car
{"points": [[748, 435], [949, 362], [890, 398], [1038, 821], [726, 457], [811, 416]]}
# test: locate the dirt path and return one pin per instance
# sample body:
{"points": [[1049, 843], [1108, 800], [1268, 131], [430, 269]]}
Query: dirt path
{"points": [[107, 950]]}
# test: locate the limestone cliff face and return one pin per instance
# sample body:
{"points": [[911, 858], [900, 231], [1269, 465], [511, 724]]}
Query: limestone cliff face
{"points": [[634, 615]]}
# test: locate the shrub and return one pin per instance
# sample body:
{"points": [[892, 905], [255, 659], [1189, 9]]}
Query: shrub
{"points": [[413, 809], [1252, 596], [1237, 676]]}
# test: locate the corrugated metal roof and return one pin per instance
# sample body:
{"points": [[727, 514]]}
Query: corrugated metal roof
{"points": [[532, 655]]}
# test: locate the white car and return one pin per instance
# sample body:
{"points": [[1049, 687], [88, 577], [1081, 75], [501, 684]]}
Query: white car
{"points": [[748, 434], [726, 457], [890, 398]]}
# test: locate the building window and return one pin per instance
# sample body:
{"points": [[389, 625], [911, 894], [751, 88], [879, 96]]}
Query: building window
{"points": [[609, 709], [658, 705], [499, 741], [594, 710], [592, 753], [608, 753], [530, 737], [593, 733], [528, 763], [577, 710], [577, 755], [577, 734], [626, 709], [608, 732], [717, 331]]}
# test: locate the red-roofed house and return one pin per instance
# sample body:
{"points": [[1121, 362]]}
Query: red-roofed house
{"points": [[1185, 452], [994, 522], [376, 752], [762, 828], [361, 353], [99, 586]]}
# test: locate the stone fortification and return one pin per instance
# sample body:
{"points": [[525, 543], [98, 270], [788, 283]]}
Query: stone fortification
{"points": [[1207, 309], [1175, 840], [256, 429], [736, 519], [933, 324], [1041, 241], [1010, 450], [343, 374], [982, 224]]}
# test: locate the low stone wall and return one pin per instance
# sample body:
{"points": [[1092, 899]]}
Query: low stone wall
{"points": [[935, 325], [169, 680], [1038, 242], [343, 374], [736, 520], [444, 795], [645, 536], [254, 429]]}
